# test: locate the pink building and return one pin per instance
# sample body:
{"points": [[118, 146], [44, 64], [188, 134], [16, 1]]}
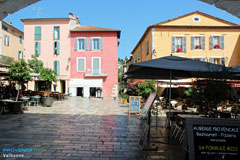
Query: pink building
{"points": [[94, 69], [50, 39]]}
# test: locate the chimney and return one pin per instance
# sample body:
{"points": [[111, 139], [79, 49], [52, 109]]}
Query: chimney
{"points": [[10, 23], [70, 15]]}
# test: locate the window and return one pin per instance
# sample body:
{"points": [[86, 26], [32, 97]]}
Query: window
{"points": [[217, 60], [197, 42], [217, 42], [81, 64], [20, 55], [56, 67], [37, 48], [139, 56], [56, 48], [4, 28], [200, 59], [81, 44], [6, 40], [179, 44], [96, 66], [196, 19], [56, 33], [37, 33], [135, 58], [96, 44], [20, 39], [147, 47]]}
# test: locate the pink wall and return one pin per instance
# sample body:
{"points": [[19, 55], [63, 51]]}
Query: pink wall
{"points": [[108, 58], [47, 55]]}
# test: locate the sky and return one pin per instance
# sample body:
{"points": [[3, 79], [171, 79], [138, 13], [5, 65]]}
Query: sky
{"points": [[132, 17]]}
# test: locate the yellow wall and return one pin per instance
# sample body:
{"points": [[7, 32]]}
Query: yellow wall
{"points": [[14, 45], [163, 44], [161, 38], [204, 21], [142, 48]]}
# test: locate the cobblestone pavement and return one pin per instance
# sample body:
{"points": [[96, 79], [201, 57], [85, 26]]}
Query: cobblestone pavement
{"points": [[76, 128]]}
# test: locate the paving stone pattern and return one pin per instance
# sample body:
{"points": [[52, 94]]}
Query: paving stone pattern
{"points": [[77, 129]]}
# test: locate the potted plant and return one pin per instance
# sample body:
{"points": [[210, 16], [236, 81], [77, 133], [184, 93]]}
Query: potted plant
{"points": [[179, 49], [19, 72], [216, 46], [125, 97]]}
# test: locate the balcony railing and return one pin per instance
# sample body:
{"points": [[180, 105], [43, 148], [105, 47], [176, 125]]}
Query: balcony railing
{"points": [[96, 72], [5, 60]]}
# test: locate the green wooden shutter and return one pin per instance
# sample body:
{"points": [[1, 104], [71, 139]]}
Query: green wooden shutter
{"points": [[58, 48], [57, 67], [184, 44], [37, 33], [173, 45], [221, 42], [37, 48], [211, 42], [203, 42], [192, 42]]}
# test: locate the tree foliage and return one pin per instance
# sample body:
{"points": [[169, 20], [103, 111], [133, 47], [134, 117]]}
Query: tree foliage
{"points": [[48, 75], [35, 64]]}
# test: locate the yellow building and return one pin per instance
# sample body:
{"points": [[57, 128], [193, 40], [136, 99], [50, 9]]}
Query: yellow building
{"points": [[11, 41], [195, 35]]}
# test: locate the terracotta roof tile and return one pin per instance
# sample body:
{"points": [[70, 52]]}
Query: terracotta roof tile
{"points": [[95, 29]]}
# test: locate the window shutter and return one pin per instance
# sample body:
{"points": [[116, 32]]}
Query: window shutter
{"points": [[192, 42], [173, 45], [211, 60], [223, 61], [90, 44], [85, 44], [58, 48], [203, 42], [211, 42], [75, 44], [221, 42], [7, 40], [37, 33], [96, 66], [58, 68], [81, 65], [184, 45], [39, 47], [100, 44]]}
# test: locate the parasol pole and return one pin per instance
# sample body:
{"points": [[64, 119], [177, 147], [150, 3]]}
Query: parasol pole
{"points": [[170, 97]]}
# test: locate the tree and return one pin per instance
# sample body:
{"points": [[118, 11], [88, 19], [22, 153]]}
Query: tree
{"points": [[146, 88], [48, 75], [20, 73], [35, 64]]}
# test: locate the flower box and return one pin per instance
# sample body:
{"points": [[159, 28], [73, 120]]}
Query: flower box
{"points": [[198, 47], [179, 49], [216, 46]]}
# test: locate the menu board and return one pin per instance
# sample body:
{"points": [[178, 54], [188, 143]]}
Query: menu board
{"points": [[212, 138], [134, 104], [148, 104]]}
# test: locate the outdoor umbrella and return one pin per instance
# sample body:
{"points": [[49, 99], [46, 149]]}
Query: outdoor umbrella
{"points": [[173, 67]]}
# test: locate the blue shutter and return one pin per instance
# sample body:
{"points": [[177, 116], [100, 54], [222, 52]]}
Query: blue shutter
{"points": [[203, 42], [75, 44], [184, 45], [211, 42], [56, 66], [85, 44], [39, 47], [173, 45], [100, 44], [192, 42], [90, 44], [211, 60], [223, 61], [96, 66], [221, 42]]}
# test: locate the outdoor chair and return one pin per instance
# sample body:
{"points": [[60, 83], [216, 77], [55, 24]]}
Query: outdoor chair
{"points": [[33, 101]]}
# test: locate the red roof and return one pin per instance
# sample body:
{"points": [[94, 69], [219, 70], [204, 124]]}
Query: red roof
{"points": [[95, 29]]}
